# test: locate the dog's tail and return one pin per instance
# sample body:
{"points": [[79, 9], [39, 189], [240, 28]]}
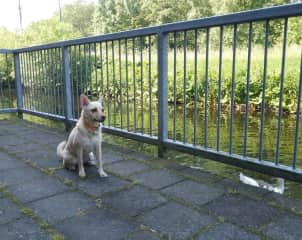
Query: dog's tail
{"points": [[60, 149]]}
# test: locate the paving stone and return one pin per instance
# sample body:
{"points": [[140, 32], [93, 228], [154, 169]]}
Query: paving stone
{"points": [[126, 168], [61, 206], [284, 202], [227, 231], [112, 157], [134, 201], [19, 175], [286, 227], [23, 229], [98, 186], [65, 174], [156, 178], [200, 175], [44, 137], [176, 221], [195, 193], [8, 211], [37, 189], [6, 162], [99, 224], [143, 235], [233, 186], [243, 211], [19, 149], [12, 140], [42, 158]]}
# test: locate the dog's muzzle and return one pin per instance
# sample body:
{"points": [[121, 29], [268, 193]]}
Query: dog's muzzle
{"points": [[101, 119]]}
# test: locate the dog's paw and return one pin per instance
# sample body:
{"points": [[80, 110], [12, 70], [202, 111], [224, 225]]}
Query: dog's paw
{"points": [[102, 173], [82, 174]]}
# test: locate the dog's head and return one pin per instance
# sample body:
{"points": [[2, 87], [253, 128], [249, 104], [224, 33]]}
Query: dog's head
{"points": [[93, 111]]}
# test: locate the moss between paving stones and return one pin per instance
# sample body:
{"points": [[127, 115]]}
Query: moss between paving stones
{"points": [[29, 213]]}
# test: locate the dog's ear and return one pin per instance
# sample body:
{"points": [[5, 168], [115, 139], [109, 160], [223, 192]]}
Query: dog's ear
{"points": [[84, 101]]}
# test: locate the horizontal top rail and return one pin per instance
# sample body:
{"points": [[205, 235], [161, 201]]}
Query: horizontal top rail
{"points": [[4, 51], [289, 10]]}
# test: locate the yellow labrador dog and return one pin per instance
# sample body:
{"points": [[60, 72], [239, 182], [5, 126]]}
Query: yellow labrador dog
{"points": [[84, 142]]}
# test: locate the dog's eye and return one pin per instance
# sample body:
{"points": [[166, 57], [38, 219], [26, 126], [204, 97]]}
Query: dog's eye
{"points": [[94, 110], [102, 110]]}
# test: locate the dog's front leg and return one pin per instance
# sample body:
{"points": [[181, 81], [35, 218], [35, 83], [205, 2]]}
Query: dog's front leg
{"points": [[82, 173], [99, 161]]}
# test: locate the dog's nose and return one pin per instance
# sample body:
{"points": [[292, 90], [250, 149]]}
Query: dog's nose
{"points": [[103, 118]]}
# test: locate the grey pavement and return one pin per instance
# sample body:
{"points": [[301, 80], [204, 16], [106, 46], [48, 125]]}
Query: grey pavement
{"points": [[143, 197]]}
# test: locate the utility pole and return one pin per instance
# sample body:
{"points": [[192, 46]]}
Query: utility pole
{"points": [[20, 15], [60, 11]]}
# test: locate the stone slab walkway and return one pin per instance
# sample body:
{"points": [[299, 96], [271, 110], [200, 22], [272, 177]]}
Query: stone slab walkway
{"points": [[143, 197]]}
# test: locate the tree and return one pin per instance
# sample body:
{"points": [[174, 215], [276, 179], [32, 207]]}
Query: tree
{"points": [[80, 16]]}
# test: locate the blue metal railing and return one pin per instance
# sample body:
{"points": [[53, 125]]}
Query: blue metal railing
{"points": [[138, 73]]}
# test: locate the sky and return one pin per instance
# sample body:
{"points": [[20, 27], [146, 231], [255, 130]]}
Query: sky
{"points": [[32, 10]]}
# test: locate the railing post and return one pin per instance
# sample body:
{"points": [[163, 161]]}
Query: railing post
{"points": [[162, 60], [19, 91], [67, 88]]}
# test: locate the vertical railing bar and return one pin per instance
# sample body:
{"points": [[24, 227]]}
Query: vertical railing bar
{"points": [[185, 87], [58, 82], [67, 87], [1, 89], [246, 115], [298, 116], [18, 77], [50, 80], [121, 88], [102, 71], [40, 59], [134, 81], [174, 85], [127, 83], [61, 89], [96, 71], [8, 82], [263, 91], [162, 85], [79, 77], [22, 80], [206, 90], [31, 80], [47, 64], [150, 86], [24, 58], [44, 80], [233, 89], [195, 86], [77, 82], [90, 69], [38, 64], [28, 79], [281, 90], [114, 84], [38, 78], [81, 69], [142, 85], [53, 64], [107, 85], [72, 77], [86, 70], [219, 88]]}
